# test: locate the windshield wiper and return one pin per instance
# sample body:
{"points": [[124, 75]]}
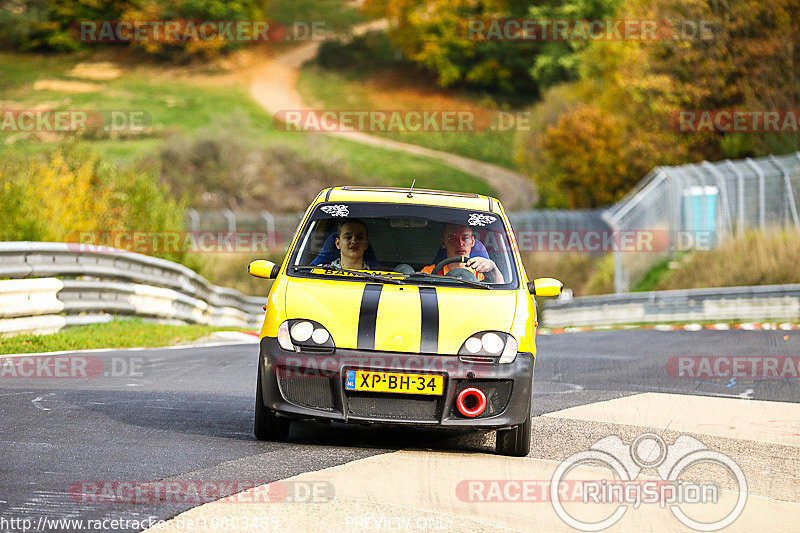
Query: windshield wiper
{"points": [[371, 277], [476, 284]]}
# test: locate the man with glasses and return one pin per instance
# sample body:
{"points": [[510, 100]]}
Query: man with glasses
{"points": [[458, 241]]}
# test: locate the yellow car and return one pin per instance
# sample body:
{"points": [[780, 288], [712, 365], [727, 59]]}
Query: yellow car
{"points": [[400, 306]]}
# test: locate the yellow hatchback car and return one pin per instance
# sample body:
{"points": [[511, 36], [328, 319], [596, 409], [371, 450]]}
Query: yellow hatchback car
{"points": [[400, 306]]}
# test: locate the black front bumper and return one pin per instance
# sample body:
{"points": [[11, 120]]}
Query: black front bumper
{"points": [[312, 385]]}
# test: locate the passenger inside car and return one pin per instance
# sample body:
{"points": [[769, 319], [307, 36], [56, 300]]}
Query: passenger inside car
{"points": [[351, 241], [330, 252]]}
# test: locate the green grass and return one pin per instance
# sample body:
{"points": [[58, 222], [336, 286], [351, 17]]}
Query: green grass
{"points": [[348, 91], [177, 105], [659, 271], [379, 166], [116, 334], [335, 14], [169, 104], [756, 258], [16, 74]]}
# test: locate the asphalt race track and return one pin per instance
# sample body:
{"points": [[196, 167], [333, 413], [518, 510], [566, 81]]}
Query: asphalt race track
{"points": [[186, 415]]}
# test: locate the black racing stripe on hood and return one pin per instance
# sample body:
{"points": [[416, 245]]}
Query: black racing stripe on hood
{"points": [[368, 316], [429, 328]]}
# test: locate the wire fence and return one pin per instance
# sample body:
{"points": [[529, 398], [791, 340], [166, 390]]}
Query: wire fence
{"points": [[277, 228], [701, 205], [686, 207], [547, 220]]}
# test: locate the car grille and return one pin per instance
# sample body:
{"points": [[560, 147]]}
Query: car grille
{"points": [[307, 391], [393, 407]]}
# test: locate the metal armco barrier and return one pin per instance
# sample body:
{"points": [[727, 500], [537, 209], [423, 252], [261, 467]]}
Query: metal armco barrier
{"points": [[120, 283], [64, 284], [778, 302]]}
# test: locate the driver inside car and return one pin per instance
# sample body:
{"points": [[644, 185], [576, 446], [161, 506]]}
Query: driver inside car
{"points": [[458, 241]]}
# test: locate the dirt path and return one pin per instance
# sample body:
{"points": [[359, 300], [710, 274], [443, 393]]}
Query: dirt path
{"points": [[273, 86]]}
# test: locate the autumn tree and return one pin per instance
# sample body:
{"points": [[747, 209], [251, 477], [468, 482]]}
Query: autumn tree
{"points": [[435, 34], [51, 24], [558, 61], [740, 55]]}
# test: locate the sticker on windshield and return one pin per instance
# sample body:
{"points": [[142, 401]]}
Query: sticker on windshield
{"points": [[356, 273], [336, 210], [479, 219]]}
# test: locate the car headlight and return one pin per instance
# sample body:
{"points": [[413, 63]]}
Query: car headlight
{"points": [[296, 334], [491, 344], [283, 337], [302, 331], [510, 350]]}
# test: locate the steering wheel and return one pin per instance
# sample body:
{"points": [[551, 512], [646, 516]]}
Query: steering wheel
{"points": [[448, 261], [462, 273]]}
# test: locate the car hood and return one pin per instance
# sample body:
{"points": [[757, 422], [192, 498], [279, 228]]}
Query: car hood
{"points": [[399, 318]]}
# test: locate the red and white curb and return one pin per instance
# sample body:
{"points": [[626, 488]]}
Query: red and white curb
{"points": [[783, 326]]}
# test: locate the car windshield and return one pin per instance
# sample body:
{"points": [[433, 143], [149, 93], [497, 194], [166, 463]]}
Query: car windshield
{"points": [[415, 244]]}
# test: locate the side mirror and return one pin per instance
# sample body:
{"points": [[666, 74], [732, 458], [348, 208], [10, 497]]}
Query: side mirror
{"points": [[545, 287], [263, 269]]}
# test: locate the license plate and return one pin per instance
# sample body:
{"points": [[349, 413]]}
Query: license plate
{"points": [[362, 380]]}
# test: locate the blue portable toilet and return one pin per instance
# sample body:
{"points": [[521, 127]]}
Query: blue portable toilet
{"points": [[699, 213]]}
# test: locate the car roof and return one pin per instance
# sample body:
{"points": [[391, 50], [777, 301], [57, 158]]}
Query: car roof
{"points": [[397, 195]]}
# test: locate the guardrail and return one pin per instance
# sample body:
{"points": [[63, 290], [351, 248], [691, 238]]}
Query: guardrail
{"points": [[59, 284], [767, 302]]}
